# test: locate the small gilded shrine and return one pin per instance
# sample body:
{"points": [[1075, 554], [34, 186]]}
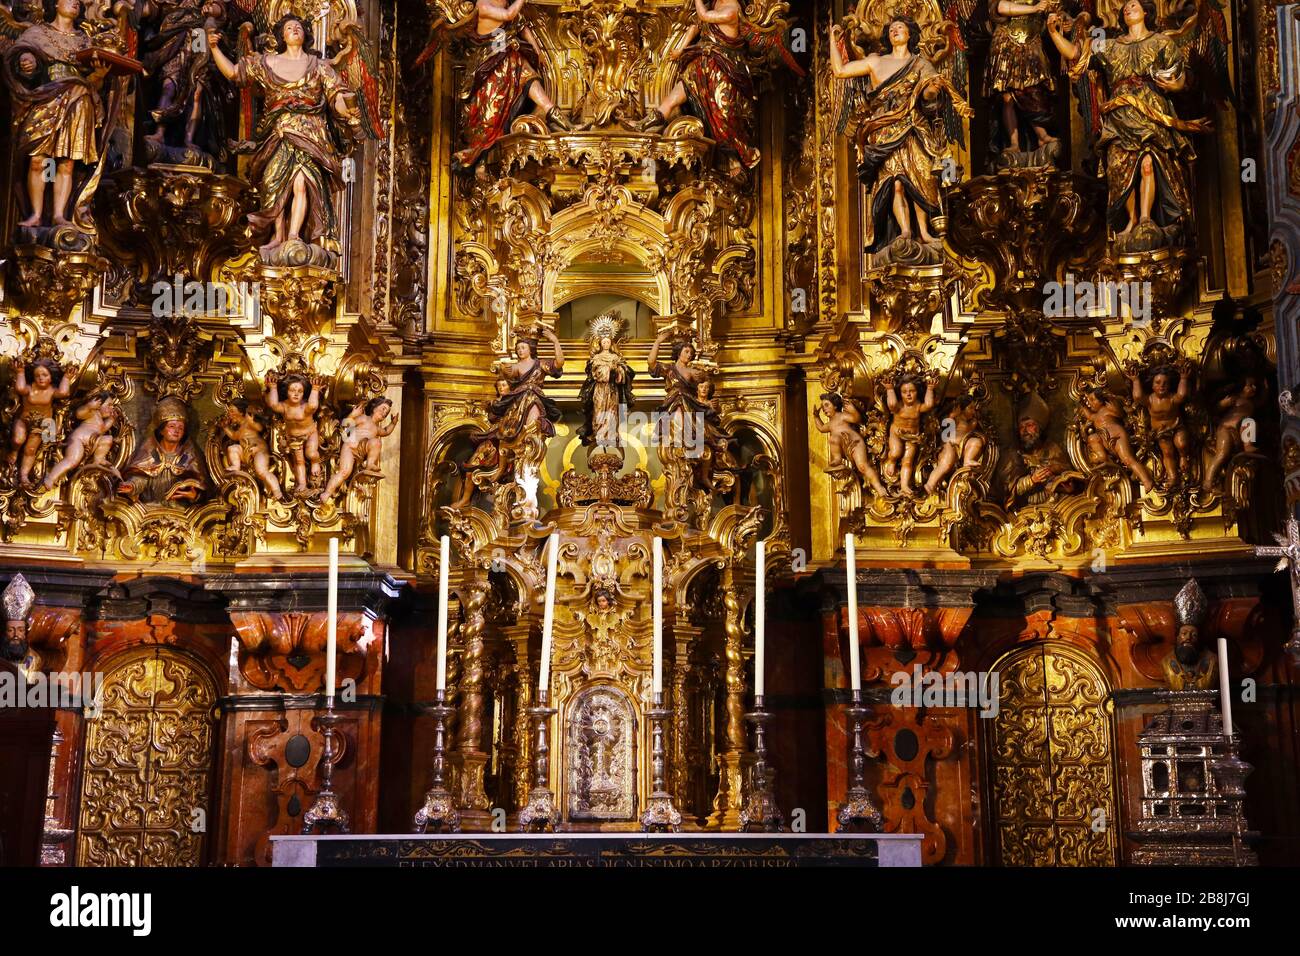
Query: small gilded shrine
{"points": [[697, 396]]}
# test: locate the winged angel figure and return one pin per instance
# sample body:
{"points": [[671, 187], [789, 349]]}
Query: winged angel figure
{"points": [[55, 72], [504, 74], [903, 75], [314, 108], [1125, 86], [715, 54]]}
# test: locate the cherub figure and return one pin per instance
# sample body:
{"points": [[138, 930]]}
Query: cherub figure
{"points": [[906, 408], [34, 423], [93, 437], [1102, 426], [296, 401], [488, 456], [1164, 405], [363, 434], [1230, 437], [247, 444], [963, 444], [843, 438]]}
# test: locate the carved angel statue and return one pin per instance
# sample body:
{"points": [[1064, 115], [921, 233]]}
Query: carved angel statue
{"points": [[1106, 437], [1232, 434], [963, 444], [91, 442], [906, 406], [525, 404], [715, 80], [363, 433], [503, 75], [296, 400], [33, 426], [842, 424], [313, 110], [901, 112], [1164, 404], [1019, 85], [490, 460], [186, 101], [1124, 85], [607, 386], [54, 71], [248, 447]]}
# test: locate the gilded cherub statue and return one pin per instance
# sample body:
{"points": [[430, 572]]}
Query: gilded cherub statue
{"points": [[311, 116], [296, 400], [1164, 404], [33, 426], [363, 433], [715, 79], [1106, 437], [91, 442], [503, 74], [963, 443], [1145, 147], [841, 422], [248, 446], [906, 408], [1231, 434]]}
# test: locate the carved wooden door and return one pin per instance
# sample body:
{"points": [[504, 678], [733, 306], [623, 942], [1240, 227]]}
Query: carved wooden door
{"points": [[1052, 763], [144, 791]]}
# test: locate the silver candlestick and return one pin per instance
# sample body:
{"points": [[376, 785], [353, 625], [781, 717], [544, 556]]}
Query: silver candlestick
{"points": [[660, 815], [326, 815], [760, 811], [858, 814], [540, 815], [439, 813]]}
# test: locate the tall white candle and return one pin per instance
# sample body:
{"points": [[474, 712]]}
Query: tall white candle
{"points": [[760, 615], [332, 618], [548, 618], [851, 564], [444, 568], [1225, 692], [657, 549]]}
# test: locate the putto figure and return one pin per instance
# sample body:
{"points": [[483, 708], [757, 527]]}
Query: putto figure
{"points": [[296, 400], [963, 446], [248, 446], [1105, 437], [715, 76], [841, 425], [91, 442], [34, 424], [1232, 435], [307, 117], [894, 108], [54, 78], [905, 427], [363, 433], [1164, 405], [166, 468], [607, 387]]}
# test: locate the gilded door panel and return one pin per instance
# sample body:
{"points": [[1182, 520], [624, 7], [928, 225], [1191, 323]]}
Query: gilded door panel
{"points": [[1052, 763], [147, 760]]}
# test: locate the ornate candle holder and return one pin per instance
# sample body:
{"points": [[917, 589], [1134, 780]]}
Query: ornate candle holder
{"points": [[858, 814], [660, 815], [439, 813], [325, 814], [760, 811], [540, 815]]}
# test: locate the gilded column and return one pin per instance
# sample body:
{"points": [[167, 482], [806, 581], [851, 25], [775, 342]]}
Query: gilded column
{"points": [[469, 759], [681, 727], [731, 762]]}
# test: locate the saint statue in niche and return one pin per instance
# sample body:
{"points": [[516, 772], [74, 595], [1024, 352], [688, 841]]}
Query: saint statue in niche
{"points": [[608, 385]]}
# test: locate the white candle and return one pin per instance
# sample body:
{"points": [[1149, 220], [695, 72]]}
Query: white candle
{"points": [[760, 595], [548, 619], [657, 549], [444, 568], [332, 618], [851, 563], [1225, 693]]}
